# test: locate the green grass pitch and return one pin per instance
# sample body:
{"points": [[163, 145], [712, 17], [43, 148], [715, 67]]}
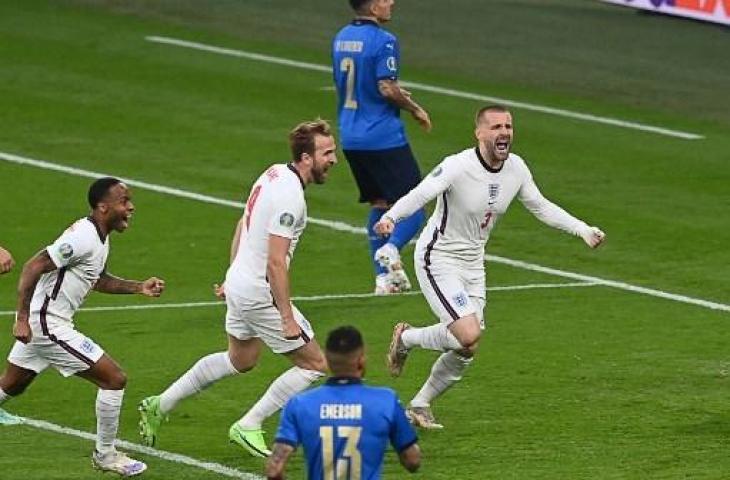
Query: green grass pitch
{"points": [[570, 383]]}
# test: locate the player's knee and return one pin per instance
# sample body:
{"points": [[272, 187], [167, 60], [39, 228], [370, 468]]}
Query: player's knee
{"points": [[467, 353], [117, 381], [469, 339], [242, 364], [321, 367], [318, 365], [15, 389]]}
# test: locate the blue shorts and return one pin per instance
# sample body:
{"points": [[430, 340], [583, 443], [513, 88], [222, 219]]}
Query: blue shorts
{"points": [[384, 174]]}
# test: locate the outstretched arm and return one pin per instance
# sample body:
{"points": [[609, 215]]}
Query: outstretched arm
{"points": [[108, 283], [430, 187], [276, 463], [551, 214], [401, 98], [32, 270]]}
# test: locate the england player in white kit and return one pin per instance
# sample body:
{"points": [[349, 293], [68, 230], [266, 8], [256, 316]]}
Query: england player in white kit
{"points": [[256, 289], [474, 188], [53, 285]]}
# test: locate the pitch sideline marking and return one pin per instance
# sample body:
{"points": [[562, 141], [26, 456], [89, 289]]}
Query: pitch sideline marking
{"points": [[433, 89], [169, 456], [312, 298], [344, 227]]}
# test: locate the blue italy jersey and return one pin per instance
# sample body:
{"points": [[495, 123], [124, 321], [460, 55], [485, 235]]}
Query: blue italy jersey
{"points": [[362, 54], [345, 428]]}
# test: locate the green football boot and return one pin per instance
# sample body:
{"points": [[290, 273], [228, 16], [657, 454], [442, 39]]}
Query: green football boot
{"points": [[251, 440], [150, 419]]}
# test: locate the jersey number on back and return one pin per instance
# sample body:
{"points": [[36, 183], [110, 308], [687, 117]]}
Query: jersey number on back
{"points": [[348, 65], [336, 468], [250, 204]]}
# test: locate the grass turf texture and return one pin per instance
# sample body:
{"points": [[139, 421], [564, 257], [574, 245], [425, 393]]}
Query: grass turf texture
{"points": [[570, 383]]}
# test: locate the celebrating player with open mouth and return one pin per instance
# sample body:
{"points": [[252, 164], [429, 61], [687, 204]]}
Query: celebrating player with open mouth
{"points": [[474, 189], [53, 285], [257, 294]]}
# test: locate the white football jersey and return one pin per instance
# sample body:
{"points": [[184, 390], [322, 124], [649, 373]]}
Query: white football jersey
{"points": [[471, 199], [80, 254], [275, 206]]}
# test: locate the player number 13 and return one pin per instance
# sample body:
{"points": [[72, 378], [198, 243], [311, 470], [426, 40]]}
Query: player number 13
{"points": [[348, 65], [336, 468]]}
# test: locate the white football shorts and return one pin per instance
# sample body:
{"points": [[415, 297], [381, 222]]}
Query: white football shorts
{"points": [[452, 291], [264, 323], [64, 348]]}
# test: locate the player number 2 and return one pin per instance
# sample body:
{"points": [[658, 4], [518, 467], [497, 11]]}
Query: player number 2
{"points": [[336, 468], [348, 65]]}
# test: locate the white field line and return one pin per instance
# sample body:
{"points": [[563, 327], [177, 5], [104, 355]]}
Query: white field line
{"points": [[344, 227], [433, 89], [312, 298], [169, 456]]}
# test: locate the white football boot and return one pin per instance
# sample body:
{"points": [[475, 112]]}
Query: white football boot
{"points": [[397, 280], [423, 417], [117, 462]]}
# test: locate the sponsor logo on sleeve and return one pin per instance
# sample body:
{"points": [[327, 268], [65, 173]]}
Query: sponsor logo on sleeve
{"points": [[437, 171], [66, 250], [390, 63], [286, 219]]}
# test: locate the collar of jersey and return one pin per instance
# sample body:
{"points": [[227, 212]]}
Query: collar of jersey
{"points": [[364, 21], [485, 164], [341, 381], [296, 172], [102, 237]]}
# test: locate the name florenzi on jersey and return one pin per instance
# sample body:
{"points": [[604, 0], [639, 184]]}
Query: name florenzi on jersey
{"points": [[347, 411], [349, 46]]}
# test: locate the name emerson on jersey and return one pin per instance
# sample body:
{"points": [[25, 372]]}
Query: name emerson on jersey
{"points": [[354, 46], [344, 411]]}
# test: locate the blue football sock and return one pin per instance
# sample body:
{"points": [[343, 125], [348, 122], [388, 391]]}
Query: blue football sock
{"points": [[407, 229], [375, 240]]}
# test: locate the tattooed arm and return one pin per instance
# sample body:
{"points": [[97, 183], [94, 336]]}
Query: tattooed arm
{"points": [[108, 283], [277, 461]]}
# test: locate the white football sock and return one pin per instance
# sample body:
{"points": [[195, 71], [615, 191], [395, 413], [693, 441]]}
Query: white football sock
{"points": [[445, 372], [108, 406], [204, 373], [436, 337], [287, 385], [4, 396]]}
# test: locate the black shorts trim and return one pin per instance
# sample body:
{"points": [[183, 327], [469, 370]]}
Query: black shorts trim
{"points": [[54, 339]]}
